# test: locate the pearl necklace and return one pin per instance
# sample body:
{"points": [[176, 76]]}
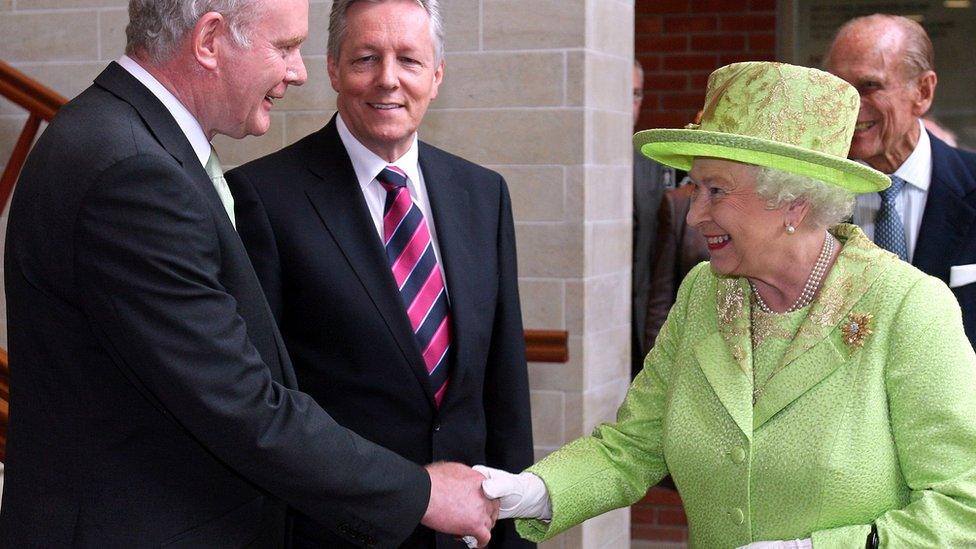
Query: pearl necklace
{"points": [[812, 284]]}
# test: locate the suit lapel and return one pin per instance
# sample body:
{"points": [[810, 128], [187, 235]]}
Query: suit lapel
{"points": [[337, 198], [449, 204], [948, 219], [817, 349]]}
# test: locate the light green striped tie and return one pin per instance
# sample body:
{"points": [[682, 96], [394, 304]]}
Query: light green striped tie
{"points": [[216, 174]]}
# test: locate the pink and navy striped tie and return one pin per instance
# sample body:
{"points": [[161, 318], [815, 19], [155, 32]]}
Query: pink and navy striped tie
{"points": [[410, 252]]}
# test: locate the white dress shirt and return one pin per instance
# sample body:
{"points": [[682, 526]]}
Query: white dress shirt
{"points": [[368, 165], [184, 119], [910, 203]]}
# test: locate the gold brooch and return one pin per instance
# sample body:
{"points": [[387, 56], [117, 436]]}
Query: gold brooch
{"points": [[857, 328]]}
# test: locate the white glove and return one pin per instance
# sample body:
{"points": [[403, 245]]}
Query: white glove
{"points": [[786, 544], [520, 496]]}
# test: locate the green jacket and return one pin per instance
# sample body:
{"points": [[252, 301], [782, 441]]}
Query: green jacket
{"points": [[874, 424]]}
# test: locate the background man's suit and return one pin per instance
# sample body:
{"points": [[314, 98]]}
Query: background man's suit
{"points": [[304, 220], [947, 236], [150, 399]]}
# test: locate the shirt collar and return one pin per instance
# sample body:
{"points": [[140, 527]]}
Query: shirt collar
{"points": [[916, 170], [186, 121], [368, 164]]}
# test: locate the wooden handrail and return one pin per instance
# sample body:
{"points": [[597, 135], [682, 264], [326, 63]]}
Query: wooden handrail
{"points": [[4, 402], [31, 95], [546, 345]]}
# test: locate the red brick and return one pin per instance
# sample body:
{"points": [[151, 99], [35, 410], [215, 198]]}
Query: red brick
{"points": [[666, 82], [748, 23], [661, 6], [649, 62], [720, 6], [651, 102], [671, 517], [665, 43], [676, 24], [692, 101], [718, 42], [664, 496], [653, 24], [664, 119], [698, 81], [762, 42], [657, 533], [762, 5], [640, 514], [728, 58], [690, 62]]}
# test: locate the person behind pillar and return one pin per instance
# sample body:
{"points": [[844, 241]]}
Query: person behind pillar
{"points": [[152, 401], [650, 181], [928, 215], [390, 264]]}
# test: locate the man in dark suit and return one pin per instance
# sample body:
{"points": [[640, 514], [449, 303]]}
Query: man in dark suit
{"points": [[928, 216], [152, 401], [390, 264]]}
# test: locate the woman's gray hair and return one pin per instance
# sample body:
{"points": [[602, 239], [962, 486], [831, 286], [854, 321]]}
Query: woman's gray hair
{"points": [[338, 25], [157, 27], [829, 204]]}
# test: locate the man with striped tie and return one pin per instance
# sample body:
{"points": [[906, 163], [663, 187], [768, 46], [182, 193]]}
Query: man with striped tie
{"points": [[390, 264]]}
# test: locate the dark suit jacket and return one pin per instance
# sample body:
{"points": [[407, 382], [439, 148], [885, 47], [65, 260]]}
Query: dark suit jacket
{"points": [[650, 181], [151, 398], [947, 236], [678, 249], [306, 226]]}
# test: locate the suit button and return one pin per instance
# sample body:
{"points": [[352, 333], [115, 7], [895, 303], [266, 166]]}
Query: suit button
{"points": [[437, 427], [737, 516], [738, 455]]}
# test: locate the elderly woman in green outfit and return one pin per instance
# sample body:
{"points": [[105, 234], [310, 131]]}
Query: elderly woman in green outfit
{"points": [[808, 388]]}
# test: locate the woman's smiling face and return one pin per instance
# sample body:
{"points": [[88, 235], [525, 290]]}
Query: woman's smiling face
{"points": [[736, 222]]}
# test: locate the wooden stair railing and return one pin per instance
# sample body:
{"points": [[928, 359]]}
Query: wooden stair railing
{"points": [[42, 103]]}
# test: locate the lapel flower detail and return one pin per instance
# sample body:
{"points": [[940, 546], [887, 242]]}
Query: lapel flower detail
{"points": [[857, 328]]}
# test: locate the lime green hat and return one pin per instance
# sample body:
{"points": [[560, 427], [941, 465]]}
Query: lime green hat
{"points": [[795, 119]]}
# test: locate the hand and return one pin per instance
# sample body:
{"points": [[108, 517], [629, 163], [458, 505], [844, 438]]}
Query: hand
{"points": [[457, 504], [521, 496], [786, 544]]}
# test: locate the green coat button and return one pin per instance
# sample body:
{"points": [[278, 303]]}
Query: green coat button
{"points": [[737, 516], [738, 455]]}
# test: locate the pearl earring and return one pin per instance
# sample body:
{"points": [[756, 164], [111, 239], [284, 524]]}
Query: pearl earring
{"points": [[790, 229]]}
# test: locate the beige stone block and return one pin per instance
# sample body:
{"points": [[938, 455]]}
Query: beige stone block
{"points": [[575, 412], [462, 25], [554, 376], [607, 357], [49, 36], [6, 5], [531, 79], [609, 83], [538, 24], [111, 33], [234, 152], [607, 302], [548, 250], [600, 404], [63, 4], [538, 192], [547, 417], [609, 193], [608, 247], [575, 192], [515, 136], [298, 125], [316, 94], [318, 29], [609, 138], [647, 544], [68, 79], [10, 128], [542, 304], [610, 27], [610, 530], [556, 543], [575, 78], [576, 306]]}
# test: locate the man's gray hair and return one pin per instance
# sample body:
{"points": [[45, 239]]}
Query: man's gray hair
{"points": [[829, 204], [918, 55], [338, 25], [157, 27]]}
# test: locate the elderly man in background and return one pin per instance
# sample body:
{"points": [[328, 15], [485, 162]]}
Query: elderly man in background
{"points": [[152, 400], [928, 215], [390, 264], [650, 181]]}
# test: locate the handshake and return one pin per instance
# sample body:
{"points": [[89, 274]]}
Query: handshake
{"points": [[467, 502]]}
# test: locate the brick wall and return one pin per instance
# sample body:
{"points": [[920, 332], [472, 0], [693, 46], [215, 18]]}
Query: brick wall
{"points": [[679, 43]]}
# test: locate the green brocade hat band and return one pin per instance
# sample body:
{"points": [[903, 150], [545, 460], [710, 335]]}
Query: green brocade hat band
{"points": [[789, 118]]}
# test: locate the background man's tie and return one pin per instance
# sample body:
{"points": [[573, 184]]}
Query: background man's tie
{"points": [[889, 231], [216, 174], [411, 255]]}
